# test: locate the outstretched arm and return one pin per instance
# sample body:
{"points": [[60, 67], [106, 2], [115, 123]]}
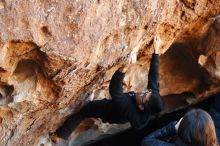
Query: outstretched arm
{"points": [[115, 87], [165, 132], [153, 75]]}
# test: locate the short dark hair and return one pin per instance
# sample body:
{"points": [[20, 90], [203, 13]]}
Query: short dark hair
{"points": [[155, 104], [197, 129]]}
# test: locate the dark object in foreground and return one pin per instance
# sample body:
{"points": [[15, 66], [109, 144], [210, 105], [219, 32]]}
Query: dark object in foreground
{"points": [[131, 137]]}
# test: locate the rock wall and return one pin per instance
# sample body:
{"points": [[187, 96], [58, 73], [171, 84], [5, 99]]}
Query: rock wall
{"points": [[55, 55]]}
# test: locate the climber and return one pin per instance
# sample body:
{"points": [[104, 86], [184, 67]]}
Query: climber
{"points": [[133, 107], [196, 128]]}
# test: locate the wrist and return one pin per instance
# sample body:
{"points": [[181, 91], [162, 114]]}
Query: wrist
{"points": [[156, 52], [123, 69]]}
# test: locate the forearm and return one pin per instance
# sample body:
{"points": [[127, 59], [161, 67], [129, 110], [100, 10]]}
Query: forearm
{"points": [[115, 87], [153, 75]]}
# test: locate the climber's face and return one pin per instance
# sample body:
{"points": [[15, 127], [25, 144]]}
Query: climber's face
{"points": [[142, 98]]}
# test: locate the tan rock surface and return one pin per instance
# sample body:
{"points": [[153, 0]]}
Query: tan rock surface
{"points": [[55, 53]]}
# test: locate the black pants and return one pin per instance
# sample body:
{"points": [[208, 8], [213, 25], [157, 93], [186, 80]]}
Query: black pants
{"points": [[104, 109]]}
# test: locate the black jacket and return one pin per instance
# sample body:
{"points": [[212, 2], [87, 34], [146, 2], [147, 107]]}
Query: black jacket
{"points": [[126, 103], [158, 138]]}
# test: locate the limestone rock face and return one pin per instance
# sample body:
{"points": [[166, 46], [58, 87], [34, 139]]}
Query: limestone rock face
{"points": [[55, 55]]}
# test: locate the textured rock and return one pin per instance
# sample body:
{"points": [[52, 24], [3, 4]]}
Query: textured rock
{"points": [[56, 55], [211, 50]]}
